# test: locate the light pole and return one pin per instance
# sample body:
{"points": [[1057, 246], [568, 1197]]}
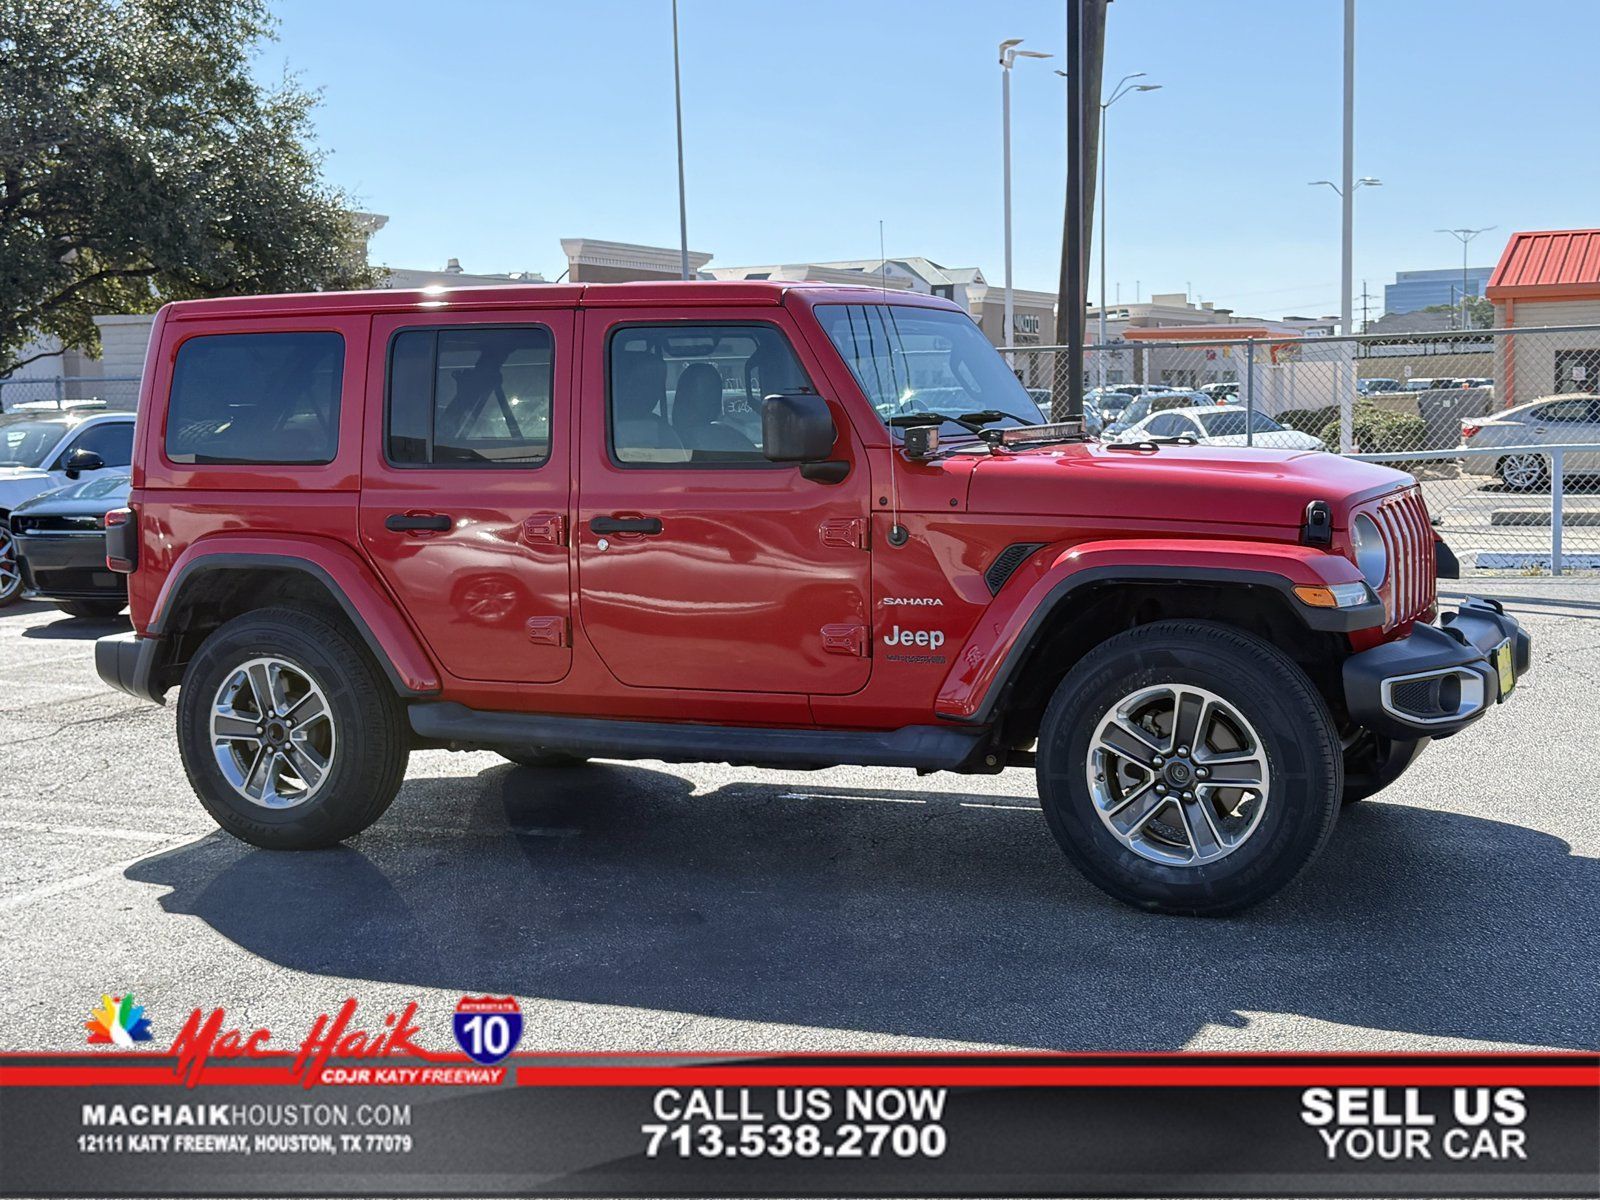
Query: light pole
{"points": [[1465, 236], [677, 99], [1124, 86], [1347, 195], [1008, 55], [1347, 242]]}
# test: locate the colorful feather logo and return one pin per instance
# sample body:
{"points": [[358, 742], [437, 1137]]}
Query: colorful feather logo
{"points": [[118, 1022]]}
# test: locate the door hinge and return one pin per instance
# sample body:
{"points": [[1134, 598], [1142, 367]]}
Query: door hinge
{"points": [[547, 631], [845, 639], [545, 529], [847, 533]]}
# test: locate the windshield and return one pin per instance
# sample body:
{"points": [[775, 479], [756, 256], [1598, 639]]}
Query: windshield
{"points": [[1233, 423], [912, 360], [28, 443]]}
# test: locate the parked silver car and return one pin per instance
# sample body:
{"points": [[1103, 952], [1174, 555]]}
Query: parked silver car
{"points": [[1572, 418]]}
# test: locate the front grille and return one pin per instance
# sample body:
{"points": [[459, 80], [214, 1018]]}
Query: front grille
{"points": [[56, 524], [1413, 573]]}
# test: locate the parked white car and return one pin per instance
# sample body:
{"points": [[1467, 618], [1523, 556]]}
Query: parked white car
{"points": [[43, 451], [1572, 418], [1219, 425]]}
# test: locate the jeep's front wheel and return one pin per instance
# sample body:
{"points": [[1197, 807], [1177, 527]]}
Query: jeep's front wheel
{"points": [[290, 734], [1188, 767]]}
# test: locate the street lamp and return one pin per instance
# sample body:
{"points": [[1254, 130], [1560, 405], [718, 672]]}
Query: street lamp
{"points": [[1346, 270], [677, 99], [1008, 55], [1465, 236], [1124, 86]]}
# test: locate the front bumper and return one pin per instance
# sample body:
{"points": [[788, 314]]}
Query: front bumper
{"points": [[67, 567], [1442, 677]]}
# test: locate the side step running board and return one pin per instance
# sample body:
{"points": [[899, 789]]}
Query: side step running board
{"points": [[929, 748]]}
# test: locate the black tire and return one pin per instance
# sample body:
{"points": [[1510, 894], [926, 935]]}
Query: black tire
{"points": [[92, 610], [542, 759], [368, 721], [1295, 730], [1519, 474], [1372, 763]]}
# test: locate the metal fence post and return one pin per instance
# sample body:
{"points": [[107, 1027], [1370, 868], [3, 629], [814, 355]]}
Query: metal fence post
{"points": [[1250, 392], [1557, 488]]}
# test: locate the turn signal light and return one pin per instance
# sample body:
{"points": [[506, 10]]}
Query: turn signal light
{"points": [[1339, 595]]}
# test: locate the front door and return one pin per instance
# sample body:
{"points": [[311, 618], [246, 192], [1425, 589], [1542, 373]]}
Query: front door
{"points": [[464, 501], [701, 565]]}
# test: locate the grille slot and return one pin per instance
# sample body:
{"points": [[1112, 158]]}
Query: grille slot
{"points": [[1008, 560], [1408, 536]]}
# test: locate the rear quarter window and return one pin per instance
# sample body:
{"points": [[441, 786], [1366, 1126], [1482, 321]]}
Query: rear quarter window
{"points": [[256, 398]]}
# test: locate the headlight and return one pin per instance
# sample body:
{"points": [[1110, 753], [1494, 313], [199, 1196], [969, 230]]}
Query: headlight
{"points": [[1372, 556]]}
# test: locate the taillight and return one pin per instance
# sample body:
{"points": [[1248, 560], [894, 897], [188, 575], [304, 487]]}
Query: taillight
{"points": [[122, 541], [1469, 431]]}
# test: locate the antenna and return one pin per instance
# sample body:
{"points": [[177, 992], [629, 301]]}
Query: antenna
{"points": [[899, 535], [883, 263]]}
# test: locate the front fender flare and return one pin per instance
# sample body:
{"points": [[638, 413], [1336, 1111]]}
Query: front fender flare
{"points": [[347, 578], [1002, 639]]}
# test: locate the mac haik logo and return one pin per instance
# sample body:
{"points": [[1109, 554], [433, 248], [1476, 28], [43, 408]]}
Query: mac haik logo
{"points": [[118, 1022], [207, 1037]]}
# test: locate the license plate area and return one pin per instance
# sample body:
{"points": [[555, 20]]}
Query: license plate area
{"points": [[1501, 660]]}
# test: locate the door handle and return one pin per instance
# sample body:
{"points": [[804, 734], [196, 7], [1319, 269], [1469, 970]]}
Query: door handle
{"points": [[417, 523], [647, 525], [1540, 429]]}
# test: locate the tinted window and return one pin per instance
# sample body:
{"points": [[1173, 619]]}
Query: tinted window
{"points": [[112, 441], [1564, 411], [470, 397], [692, 393], [256, 398], [915, 360], [1237, 423]]}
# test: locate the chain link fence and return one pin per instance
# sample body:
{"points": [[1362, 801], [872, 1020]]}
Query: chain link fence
{"points": [[117, 392], [1501, 427]]}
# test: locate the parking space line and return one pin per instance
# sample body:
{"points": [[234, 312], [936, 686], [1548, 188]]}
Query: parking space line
{"points": [[47, 890]]}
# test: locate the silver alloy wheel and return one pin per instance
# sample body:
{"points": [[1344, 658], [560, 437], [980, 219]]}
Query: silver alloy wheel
{"points": [[1522, 472], [272, 733], [1178, 775], [10, 573]]}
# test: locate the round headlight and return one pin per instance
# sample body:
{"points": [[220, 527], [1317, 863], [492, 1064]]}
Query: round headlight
{"points": [[1372, 557]]}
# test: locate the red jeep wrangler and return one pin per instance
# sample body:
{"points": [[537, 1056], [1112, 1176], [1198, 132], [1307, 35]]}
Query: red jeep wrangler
{"points": [[768, 524]]}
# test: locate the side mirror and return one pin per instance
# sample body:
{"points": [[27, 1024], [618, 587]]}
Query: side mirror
{"points": [[797, 428], [79, 461]]}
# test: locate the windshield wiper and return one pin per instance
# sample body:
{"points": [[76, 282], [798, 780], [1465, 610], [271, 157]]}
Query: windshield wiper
{"points": [[913, 420]]}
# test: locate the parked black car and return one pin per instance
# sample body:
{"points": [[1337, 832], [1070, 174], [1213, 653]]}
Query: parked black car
{"points": [[61, 547]]}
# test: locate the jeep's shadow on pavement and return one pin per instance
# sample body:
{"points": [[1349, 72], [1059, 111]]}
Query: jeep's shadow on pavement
{"points": [[903, 912]]}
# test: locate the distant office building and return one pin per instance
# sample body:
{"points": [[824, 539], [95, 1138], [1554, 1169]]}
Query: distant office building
{"points": [[1412, 290]]}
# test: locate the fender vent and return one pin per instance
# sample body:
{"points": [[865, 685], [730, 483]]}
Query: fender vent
{"points": [[1012, 557]]}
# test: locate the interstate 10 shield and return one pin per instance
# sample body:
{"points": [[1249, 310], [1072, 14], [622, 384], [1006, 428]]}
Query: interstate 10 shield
{"points": [[487, 1027]]}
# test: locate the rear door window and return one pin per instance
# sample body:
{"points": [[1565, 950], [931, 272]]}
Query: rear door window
{"points": [[470, 396], [256, 398]]}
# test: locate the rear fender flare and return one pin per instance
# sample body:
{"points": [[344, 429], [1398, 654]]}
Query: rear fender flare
{"points": [[347, 579], [999, 645]]}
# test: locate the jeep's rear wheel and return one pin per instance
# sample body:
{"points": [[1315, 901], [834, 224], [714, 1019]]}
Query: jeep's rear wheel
{"points": [[1188, 767], [290, 734], [542, 758]]}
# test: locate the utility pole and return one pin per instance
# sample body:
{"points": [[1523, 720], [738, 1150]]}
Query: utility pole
{"points": [[1086, 24], [1365, 296]]}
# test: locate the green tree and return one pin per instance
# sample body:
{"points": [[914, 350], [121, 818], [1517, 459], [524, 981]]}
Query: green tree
{"points": [[141, 162], [1480, 312]]}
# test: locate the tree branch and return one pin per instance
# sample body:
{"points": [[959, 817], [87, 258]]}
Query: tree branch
{"points": [[20, 363]]}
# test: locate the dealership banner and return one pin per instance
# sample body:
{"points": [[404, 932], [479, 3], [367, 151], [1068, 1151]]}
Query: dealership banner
{"points": [[357, 1107]]}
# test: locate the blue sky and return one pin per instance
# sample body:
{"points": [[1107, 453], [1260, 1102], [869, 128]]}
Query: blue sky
{"points": [[489, 129]]}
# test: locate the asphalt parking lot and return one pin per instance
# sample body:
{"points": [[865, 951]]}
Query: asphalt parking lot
{"points": [[642, 906]]}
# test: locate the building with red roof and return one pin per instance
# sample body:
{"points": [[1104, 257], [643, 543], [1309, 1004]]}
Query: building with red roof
{"points": [[1547, 278]]}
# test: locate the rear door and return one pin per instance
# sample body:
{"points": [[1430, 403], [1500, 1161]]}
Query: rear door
{"points": [[701, 565], [464, 501]]}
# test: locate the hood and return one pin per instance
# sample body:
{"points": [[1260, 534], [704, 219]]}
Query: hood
{"points": [[96, 496], [1227, 485]]}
